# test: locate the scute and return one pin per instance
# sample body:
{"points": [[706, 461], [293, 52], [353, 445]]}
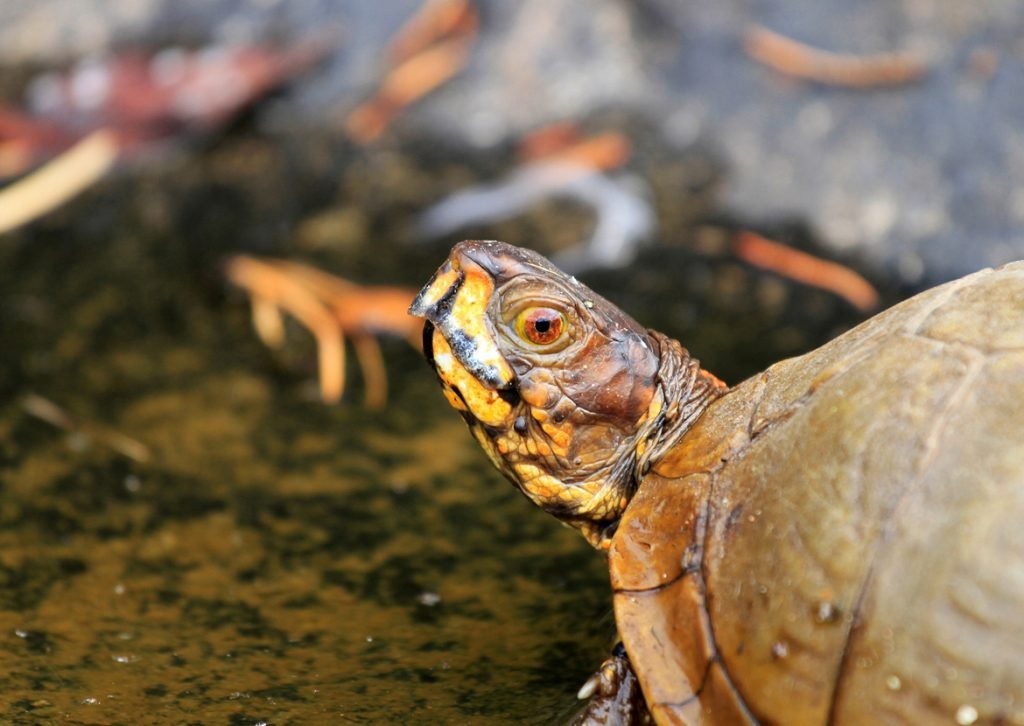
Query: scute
{"points": [[816, 489], [963, 648], [944, 311], [972, 315], [865, 496]]}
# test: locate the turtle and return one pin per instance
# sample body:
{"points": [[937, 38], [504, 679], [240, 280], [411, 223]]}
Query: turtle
{"points": [[836, 540]]}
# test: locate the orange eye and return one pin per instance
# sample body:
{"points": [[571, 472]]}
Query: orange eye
{"points": [[540, 326]]}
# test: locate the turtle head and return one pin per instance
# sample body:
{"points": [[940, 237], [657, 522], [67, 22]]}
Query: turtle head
{"points": [[555, 382]]}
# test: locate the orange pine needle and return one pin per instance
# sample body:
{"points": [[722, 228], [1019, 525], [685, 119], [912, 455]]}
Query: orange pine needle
{"points": [[331, 308], [799, 60], [609, 150], [807, 269], [268, 286], [436, 19], [431, 48], [548, 140], [561, 142], [359, 309], [407, 83]]}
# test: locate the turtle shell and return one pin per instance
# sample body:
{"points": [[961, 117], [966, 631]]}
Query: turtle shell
{"points": [[841, 538]]}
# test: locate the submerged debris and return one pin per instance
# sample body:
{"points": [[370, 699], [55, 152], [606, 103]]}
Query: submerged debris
{"points": [[46, 410]]}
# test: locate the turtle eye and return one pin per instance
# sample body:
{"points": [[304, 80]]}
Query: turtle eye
{"points": [[541, 326]]}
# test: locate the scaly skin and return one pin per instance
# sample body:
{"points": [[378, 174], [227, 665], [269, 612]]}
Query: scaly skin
{"points": [[574, 424]]}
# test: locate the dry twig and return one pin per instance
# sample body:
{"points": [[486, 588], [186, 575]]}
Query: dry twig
{"points": [[46, 410], [436, 20], [799, 60], [330, 308], [58, 180], [429, 50], [807, 269]]}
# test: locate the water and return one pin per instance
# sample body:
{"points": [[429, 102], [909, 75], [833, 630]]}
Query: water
{"points": [[274, 558], [283, 565]]}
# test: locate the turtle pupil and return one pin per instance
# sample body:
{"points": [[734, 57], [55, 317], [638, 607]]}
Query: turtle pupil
{"points": [[541, 326]]}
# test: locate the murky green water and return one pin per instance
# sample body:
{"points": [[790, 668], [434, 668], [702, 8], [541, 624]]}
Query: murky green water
{"points": [[275, 559]]}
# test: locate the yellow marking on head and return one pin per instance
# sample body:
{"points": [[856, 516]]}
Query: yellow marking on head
{"points": [[453, 399], [539, 414], [528, 471], [447, 276], [560, 437], [535, 396], [485, 404], [543, 488], [469, 314], [537, 485], [546, 490], [488, 446], [596, 502]]}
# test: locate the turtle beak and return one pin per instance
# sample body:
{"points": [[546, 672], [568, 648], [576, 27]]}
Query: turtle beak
{"points": [[455, 302]]}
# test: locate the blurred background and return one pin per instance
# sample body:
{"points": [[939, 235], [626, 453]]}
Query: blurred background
{"points": [[200, 520]]}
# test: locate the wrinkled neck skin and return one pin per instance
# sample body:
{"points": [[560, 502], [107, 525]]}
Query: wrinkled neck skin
{"points": [[574, 429], [680, 393], [589, 480]]}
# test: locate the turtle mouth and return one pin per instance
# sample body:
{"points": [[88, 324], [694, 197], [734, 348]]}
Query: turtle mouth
{"points": [[455, 301], [494, 408], [460, 344]]}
